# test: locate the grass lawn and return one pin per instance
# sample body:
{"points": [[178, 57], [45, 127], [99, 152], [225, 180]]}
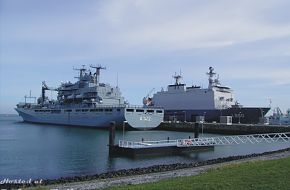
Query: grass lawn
{"points": [[264, 175]]}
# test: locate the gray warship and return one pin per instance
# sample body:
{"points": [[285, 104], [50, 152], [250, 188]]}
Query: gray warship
{"points": [[88, 103], [184, 103]]}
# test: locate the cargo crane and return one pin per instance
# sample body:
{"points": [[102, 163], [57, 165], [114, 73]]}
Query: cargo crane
{"points": [[43, 89]]}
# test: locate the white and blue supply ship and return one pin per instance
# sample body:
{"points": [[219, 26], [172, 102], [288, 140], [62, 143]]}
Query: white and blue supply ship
{"points": [[185, 103], [89, 103]]}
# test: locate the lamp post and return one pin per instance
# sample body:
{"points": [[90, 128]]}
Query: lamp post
{"points": [[184, 115], [240, 117], [263, 121], [204, 113], [124, 124], [174, 118], [262, 112]]}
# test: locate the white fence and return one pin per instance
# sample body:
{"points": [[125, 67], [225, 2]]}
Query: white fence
{"points": [[210, 141]]}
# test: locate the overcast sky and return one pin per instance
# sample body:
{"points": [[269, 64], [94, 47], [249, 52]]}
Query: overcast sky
{"points": [[145, 42]]}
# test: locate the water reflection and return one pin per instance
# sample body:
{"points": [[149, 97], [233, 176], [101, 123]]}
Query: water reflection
{"points": [[48, 151]]}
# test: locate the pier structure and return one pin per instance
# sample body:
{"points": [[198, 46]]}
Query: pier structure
{"points": [[209, 141], [129, 148], [235, 140]]}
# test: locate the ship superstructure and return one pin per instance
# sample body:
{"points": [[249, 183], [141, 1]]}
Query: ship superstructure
{"points": [[88, 102], [185, 103]]}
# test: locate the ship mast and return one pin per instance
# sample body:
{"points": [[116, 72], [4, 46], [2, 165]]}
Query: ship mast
{"points": [[211, 75], [97, 73], [82, 71], [177, 79]]}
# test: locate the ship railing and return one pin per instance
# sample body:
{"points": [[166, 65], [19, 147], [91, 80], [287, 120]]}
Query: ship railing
{"points": [[83, 106], [86, 107], [143, 107]]}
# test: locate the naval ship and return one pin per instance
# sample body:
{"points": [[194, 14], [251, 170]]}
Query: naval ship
{"points": [[186, 103], [279, 118], [89, 103]]}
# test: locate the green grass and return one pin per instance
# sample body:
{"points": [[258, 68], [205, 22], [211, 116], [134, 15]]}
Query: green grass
{"points": [[264, 175]]}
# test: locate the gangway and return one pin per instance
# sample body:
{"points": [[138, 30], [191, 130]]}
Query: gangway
{"points": [[235, 140], [209, 141]]}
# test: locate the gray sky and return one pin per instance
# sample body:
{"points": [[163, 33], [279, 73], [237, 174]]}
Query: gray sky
{"points": [[145, 42]]}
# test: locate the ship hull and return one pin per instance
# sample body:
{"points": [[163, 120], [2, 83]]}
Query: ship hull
{"points": [[245, 115], [76, 119], [94, 118]]}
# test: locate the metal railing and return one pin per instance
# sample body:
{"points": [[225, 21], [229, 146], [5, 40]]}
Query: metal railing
{"points": [[210, 141], [146, 144], [235, 140], [142, 107]]}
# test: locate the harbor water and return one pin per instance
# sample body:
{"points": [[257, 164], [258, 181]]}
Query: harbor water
{"points": [[35, 151]]}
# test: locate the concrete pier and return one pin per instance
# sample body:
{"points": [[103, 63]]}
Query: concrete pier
{"points": [[217, 128]]}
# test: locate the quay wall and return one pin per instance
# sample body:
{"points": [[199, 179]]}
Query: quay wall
{"points": [[218, 128]]}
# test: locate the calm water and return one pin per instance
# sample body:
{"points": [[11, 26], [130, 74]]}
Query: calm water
{"points": [[47, 151]]}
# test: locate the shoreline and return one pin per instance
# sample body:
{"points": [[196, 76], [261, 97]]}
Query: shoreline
{"points": [[152, 173]]}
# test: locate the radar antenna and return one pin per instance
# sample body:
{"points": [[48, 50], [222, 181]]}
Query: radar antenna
{"points": [[97, 73], [177, 78], [82, 71]]}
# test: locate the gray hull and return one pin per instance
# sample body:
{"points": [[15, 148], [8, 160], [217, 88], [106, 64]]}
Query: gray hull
{"points": [[138, 118]]}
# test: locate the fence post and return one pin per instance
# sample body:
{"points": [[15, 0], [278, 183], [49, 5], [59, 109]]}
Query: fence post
{"points": [[112, 136]]}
